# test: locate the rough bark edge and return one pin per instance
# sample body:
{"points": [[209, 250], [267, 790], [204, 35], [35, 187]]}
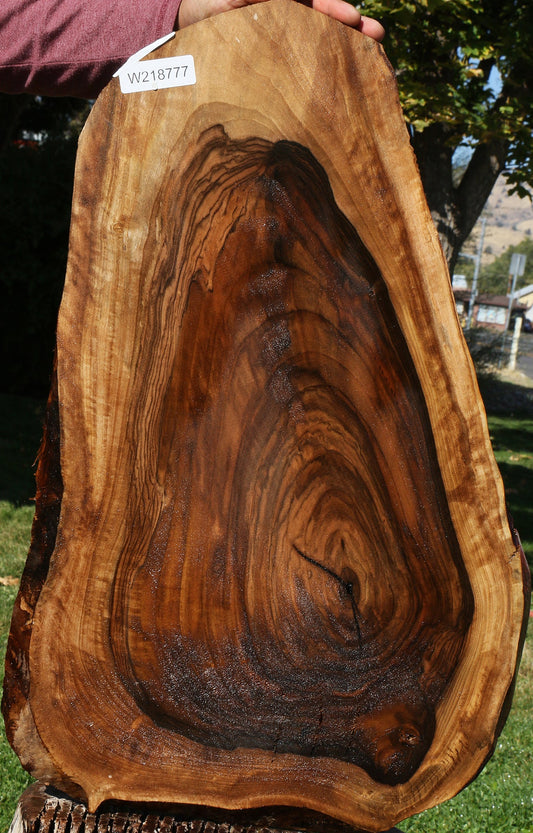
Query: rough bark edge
{"points": [[526, 576], [49, 492], [41, 809]]}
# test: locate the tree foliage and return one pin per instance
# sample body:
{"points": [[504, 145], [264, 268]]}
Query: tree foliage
{"points": [[494, 278], [465, 72]]}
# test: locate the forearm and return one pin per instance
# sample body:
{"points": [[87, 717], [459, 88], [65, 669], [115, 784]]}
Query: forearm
{"points": [[73, 47], [64, 47]]}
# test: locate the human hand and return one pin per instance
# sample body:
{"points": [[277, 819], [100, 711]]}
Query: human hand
{"points": [[191, 11]]}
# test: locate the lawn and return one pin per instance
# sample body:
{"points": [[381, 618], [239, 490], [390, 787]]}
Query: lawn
{"points": [[499, 800], [20, 432], [512, 441], [14, 534]]}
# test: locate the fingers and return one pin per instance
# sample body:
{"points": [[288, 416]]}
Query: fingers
{"points": [[339, 10], [372, 28], [346, 13], [191, 11]]}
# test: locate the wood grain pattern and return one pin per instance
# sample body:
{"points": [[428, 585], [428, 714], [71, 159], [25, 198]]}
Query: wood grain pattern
{"points": [[283, 571]]}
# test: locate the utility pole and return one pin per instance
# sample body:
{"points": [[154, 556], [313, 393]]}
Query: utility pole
{"points": [[516, 270], [477, 259]]}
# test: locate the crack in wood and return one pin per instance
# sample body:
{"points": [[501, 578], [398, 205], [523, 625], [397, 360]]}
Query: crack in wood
{"points": [[347, 586]]}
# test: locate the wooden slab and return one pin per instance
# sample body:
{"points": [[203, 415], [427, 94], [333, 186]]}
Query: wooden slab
{"points": [[283, 572]]}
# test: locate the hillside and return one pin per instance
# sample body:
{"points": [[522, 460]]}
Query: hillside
{"points": [[509, 220]]}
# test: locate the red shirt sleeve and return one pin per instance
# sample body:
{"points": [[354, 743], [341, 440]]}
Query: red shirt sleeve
{"points": [[73, 47]]}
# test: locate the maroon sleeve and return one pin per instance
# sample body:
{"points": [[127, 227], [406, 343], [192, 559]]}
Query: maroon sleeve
{"points": [[73, 47]]}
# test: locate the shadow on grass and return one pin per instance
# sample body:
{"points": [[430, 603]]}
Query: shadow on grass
{"points": [[510, 412], [506, 398], [518, 482]]}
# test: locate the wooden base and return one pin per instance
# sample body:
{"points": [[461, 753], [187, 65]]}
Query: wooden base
{"points": [[41, 809]]}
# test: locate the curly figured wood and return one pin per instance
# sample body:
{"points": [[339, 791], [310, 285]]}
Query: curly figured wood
{"points": [[283, 572], [300, 482]]}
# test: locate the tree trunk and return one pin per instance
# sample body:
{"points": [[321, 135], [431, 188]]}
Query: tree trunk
{"points": [[282, 573], [455, 208], [434, 157]]}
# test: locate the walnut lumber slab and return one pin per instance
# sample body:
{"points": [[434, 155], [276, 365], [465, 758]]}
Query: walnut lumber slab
{"points": [[271, 562]]}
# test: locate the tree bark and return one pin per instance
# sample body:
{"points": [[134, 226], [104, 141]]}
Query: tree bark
{"points": [[41, 810], [434, 157], [455, 208], [282, 573]]}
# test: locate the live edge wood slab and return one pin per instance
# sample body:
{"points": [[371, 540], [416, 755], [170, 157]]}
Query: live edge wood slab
{"points": [[271, 562]]}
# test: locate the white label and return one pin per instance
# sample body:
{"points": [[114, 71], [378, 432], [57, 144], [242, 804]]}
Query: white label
{"points": [[157, 74]]}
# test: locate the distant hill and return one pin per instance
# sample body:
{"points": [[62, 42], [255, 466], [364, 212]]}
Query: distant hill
{"points": [[509, 220]]}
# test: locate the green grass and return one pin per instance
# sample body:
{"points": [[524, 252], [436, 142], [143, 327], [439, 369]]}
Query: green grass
{"points": [[512, 441], [15, 525], [20, 434], [500, 800]]}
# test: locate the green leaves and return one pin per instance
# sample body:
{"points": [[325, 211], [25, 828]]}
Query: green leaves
{"points": [[443, 52], [465, 72]]}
